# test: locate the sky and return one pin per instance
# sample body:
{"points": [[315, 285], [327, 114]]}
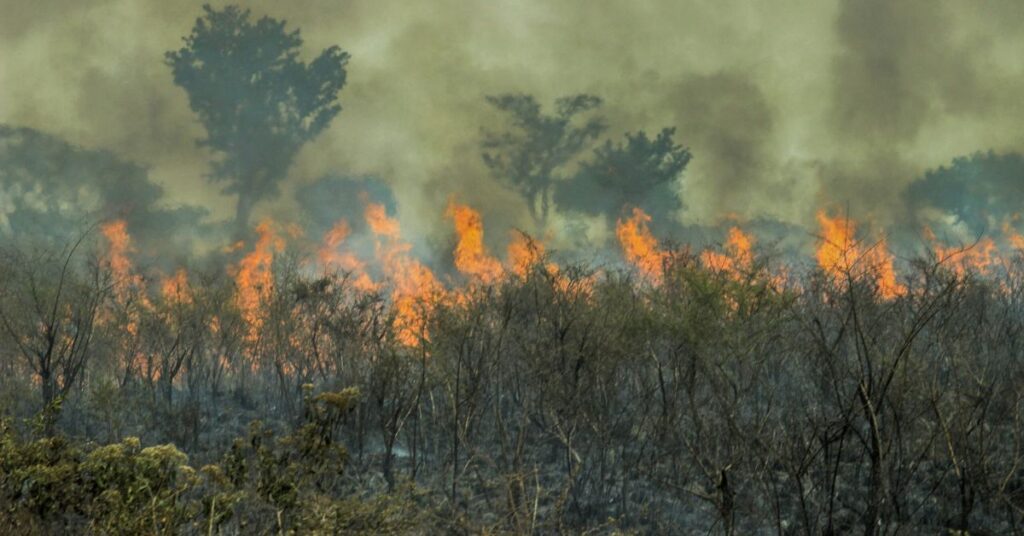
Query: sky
{"points": [[786, 105]]}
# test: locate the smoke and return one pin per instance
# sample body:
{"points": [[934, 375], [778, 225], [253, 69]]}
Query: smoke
{"points": [[786, 106], [972, 196], [52, 190]]}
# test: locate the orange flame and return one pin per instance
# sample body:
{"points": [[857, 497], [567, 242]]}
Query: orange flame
{"points": [[175, 289], [331, 257], [471, 256], [737, 257], [254, 278], [414, 286], [127, 287], [524, 253], [379, 222], [980, 257], [1015, 239], [119, 246], [840, 254], [639, 245]]}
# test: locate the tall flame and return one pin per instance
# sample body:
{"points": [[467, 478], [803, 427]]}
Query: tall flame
{"points": [[840, 254], [639, 245], [471, 256], [524, 253], [119, 249], [119, 246], [415, 288], [254, 278]]}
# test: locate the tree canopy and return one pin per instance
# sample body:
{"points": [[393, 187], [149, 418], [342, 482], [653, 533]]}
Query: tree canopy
{"points": [[642, 172], [258, 102], [533, 151]]}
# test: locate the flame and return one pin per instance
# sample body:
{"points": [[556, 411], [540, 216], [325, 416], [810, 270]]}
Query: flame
{"points": [[737, 257], [840, 254], [415, 289], [524, 253], [471, 256], [331, 257], [119, 246], [980, 257], [639, 245], [175, 289], [254, 278], [1015, 239], [128, 289], [379, 222]]}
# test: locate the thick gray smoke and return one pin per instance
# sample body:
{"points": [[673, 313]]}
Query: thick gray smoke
{"points": [[786, 107]]}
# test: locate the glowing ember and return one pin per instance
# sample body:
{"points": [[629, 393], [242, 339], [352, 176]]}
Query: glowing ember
{"points": [[639, 245]]}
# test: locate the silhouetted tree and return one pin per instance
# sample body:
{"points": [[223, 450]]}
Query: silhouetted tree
{"points": [[528, 156], [640, 172], [258, 102]]}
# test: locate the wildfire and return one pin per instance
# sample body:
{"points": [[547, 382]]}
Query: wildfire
{"points": [[737, 257], [415, 288], [254, 278], [1015, 239], [839, 254], [175, 289], [524, 253], [128, 289], [331, 256], [379, 222], [979, 257], [471, 256], [639, 245]]}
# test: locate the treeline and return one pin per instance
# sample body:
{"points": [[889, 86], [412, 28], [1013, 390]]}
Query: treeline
{"points": [[569, 400]]}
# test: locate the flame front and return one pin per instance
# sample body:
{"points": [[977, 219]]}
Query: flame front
{"points": [[524, 253], [639, 245], [840, 255], [471, 256], [331, 256], [254, 278], [415, 289], [737, 256], [175, 289]]}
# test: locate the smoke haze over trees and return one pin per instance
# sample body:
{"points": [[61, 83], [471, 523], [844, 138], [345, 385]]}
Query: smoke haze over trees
{"points": [[556, 267]]}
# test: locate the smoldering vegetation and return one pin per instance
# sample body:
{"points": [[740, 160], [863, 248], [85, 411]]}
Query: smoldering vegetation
{"points": [[333, 358], [727, 400]]}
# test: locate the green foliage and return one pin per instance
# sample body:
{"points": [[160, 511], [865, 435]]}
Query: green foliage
{"points": [[291, 483]]}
